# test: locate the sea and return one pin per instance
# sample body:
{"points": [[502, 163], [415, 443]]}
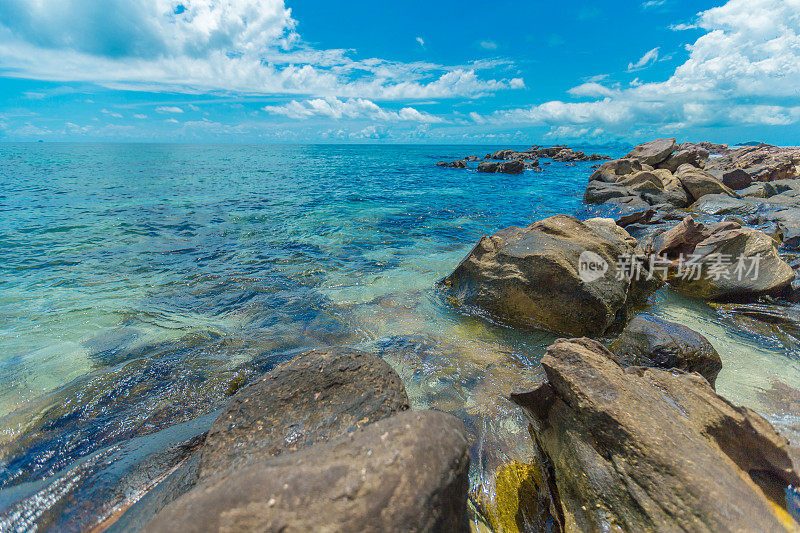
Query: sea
{"points": [[142, 284]]}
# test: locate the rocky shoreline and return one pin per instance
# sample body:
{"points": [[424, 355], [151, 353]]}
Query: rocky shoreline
{"points": [[629, 429]]}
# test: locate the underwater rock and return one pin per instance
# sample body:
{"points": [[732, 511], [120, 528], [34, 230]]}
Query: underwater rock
{"points": [[651, 341], [645, 449], [408, 472], [520, 499], [654, 152], [530, 276], [309, 399]]}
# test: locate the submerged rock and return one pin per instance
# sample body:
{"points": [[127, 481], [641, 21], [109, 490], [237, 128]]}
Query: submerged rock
{"points": [[309, 399], [651, 341], [408, 472], [644, 449], [530, 276]]}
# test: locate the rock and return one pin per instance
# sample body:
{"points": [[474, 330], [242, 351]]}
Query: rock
{"points": [[514, 166], [713, 148], [646, 449], [599, 157], [761, 163], [529, 165], [737, 179], [568, 155], [722, 261], [441, 164], [776, 187], [722, 204], [458, 164], [626, 210], [610, 171], [504, 154], [600, 192], [687, 154], [408, 472], [654, 152], [756, 190], [530, 277], [653, 342], [472, 158], [656, 187], [699, 183], [309, 399]]}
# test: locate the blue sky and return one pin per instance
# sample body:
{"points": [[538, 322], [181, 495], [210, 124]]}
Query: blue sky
{"points": [[366, 71]]}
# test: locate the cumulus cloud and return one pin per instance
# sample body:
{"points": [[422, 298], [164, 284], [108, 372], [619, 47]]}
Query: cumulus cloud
{"points": [[246, 46], [745, 69], [650, 56], [353, 108]]}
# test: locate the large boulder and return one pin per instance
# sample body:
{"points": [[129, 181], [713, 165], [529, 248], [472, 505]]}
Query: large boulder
{"points": [[699, 183], [687, 153], [558, 274], [408, 473], [645, 449], [656, 187], [651, 341], [721, 261], [309, 399], [737, 179], [654, 152], [611, 171]]}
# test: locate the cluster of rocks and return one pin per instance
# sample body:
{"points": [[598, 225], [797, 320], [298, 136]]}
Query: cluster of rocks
{"points": [[323, 442], [509, 161], [617, 424]]}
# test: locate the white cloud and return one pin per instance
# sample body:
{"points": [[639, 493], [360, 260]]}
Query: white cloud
{"points": [[169, 109], [244, 46], [112, 114], [353, 108], [651, 56], [653, 3], [745, 69], [421, 41], [488, 45], [139, 116]]}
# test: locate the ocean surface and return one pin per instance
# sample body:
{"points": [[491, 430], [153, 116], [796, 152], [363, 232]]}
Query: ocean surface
{"points": [[141, 284]]}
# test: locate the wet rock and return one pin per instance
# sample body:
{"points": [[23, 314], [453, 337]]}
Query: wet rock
{"points": [[651, 341], [609, 172], [645, 449], [408, 472], [458, 164], [737, 179], [626, 210], [654, 152], [690, 154], [600, 192], [442, 164], [472, 158], [761, 163], [722, 204], [776, 187], [514, 166], [722, 261], [756, 190], [530, 277], [699, 183], [307, 400], [504, 154]]}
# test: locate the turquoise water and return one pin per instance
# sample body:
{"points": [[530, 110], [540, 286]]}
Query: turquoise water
{"points": [[138, 282]]}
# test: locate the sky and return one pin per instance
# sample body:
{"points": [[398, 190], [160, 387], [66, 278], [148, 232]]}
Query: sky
{"points": [[312, 71]]}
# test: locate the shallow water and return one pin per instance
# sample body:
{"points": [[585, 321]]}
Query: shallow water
{"points": [[139, 282]]}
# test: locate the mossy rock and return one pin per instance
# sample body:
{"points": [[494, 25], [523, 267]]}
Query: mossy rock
{"points": [[519, 501]]}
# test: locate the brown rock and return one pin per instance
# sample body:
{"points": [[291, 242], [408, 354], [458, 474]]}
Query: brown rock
{"points": [[644, 449]]}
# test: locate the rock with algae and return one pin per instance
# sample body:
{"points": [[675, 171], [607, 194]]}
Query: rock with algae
{"points": [[520, 499]]}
